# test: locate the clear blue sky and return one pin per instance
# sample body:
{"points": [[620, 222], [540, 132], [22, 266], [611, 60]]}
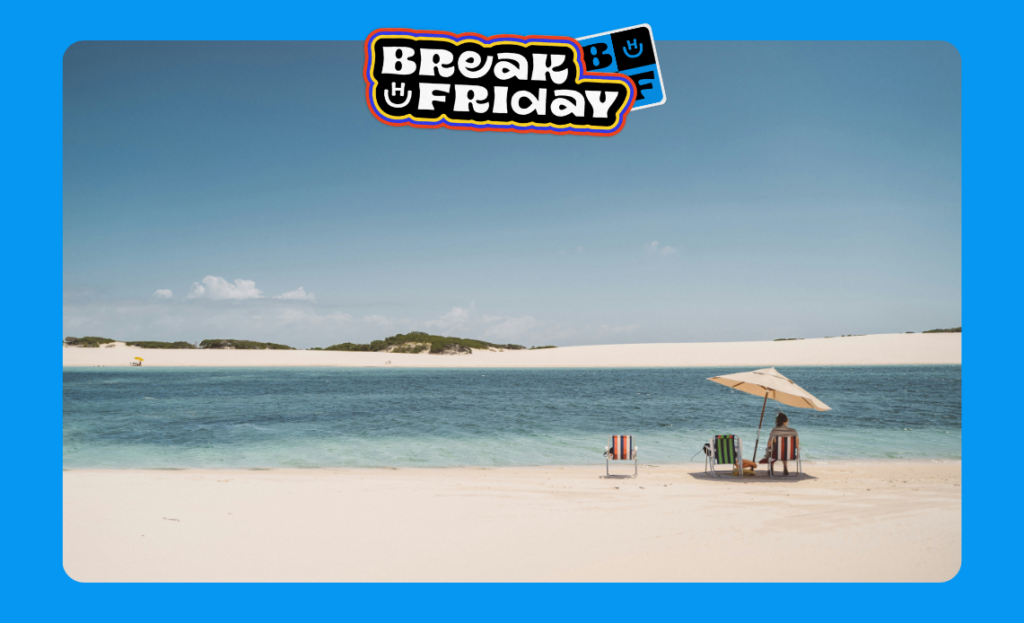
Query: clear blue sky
{"points": [[785, 190]]}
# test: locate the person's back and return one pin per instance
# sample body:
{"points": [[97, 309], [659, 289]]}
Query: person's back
{"points": [[781, 429]]}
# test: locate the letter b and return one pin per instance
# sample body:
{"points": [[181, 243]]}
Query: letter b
{"points": [[595, 56], [398, 61]]}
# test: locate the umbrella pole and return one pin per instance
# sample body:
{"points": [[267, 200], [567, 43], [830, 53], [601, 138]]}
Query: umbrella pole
{"points": [[759, 426]]}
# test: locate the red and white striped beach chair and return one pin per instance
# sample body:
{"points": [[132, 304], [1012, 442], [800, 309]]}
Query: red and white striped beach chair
{"points": [[622, 448], [783, 449]]}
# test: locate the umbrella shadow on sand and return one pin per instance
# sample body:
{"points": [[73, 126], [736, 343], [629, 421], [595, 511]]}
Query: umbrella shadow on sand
{"points": [[760, 477]]}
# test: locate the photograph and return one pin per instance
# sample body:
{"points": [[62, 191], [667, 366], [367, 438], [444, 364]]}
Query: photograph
{"points": [[540, 307]]}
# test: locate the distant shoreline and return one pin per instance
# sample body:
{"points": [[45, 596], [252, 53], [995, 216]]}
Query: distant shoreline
{"points": [[885, 349]]}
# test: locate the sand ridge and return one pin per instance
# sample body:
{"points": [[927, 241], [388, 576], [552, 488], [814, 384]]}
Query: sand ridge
{"points": [[888, 349]]}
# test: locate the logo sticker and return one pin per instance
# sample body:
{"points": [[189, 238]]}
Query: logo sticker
{"points": [[504, 83], [629, 51]]}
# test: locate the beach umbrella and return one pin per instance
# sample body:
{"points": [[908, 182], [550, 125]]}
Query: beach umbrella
{"points": [[139, 359], [771, 383]]}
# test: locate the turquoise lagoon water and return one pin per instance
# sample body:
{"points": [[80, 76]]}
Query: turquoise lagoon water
{"points": [[393, 417]]}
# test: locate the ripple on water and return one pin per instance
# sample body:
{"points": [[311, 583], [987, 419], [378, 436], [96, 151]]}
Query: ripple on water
{"points": [[336, 417]]}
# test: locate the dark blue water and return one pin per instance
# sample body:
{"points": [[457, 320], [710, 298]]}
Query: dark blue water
{"points": [[327, 417]]}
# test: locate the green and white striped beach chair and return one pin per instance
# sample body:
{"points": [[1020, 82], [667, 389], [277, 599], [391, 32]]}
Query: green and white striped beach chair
{"points": [[725, 450]]}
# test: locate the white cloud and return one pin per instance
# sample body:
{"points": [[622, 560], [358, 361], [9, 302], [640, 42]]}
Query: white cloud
{"points": [[295, 323], [297, 295], [658, 249], [458, 316], [163, 294], [219, 288], [291, 315], [465, 322], [510, 329], [377, 320]]}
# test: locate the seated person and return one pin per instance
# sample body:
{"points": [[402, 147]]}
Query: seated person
{"points": [[781, 429]]}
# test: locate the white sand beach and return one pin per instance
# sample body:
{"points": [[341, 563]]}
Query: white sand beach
{"points": [[871, 521], [889, 349], [884, 521]]}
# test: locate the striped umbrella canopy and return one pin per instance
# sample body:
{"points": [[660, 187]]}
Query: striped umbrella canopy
{"points": [[771, 383]]}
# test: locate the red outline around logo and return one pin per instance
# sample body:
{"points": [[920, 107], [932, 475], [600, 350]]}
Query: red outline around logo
{"points": [[443, 123]]}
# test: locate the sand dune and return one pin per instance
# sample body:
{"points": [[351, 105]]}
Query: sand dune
{"points": [[891, 349], [885, 521]]}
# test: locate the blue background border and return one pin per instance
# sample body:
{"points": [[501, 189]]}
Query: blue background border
{"points": [[34, 584]]}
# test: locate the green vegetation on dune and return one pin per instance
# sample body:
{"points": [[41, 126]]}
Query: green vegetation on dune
{"points": [[953, 330], [151, 344], [413, 342], [417, 341], [87, 342], [243, 345]]}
